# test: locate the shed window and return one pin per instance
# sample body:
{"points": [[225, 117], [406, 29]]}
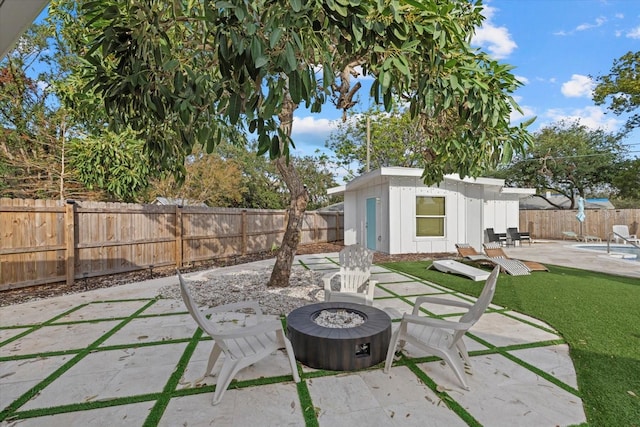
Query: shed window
{"points": [[430, 215]]}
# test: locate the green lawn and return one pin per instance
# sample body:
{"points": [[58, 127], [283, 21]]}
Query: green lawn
{"points": [[597, 314]]}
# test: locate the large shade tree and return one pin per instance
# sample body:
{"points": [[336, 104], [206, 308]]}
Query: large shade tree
{"points": [[187, 72]]}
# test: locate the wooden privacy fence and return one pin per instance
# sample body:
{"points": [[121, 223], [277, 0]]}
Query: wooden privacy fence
{"points": [[549, 224], [49, 241]]}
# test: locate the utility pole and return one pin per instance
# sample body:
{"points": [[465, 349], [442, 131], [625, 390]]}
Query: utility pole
{"points": [[368, 141]]}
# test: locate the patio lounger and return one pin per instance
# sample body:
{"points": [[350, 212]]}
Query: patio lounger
{"points": [[569, 235], [511, 266], [455, 267], [495, 252], [585, 238], [468, 252], [621, 232]]}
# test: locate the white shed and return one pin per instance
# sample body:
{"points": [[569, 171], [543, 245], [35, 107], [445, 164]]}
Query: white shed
{"points": [[392, 211]]}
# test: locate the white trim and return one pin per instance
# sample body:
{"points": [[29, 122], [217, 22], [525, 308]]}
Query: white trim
{"points": [[15, 17], [382, 174]]}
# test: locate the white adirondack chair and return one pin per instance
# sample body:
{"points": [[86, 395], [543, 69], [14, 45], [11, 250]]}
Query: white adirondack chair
{"points": [[242, 345], [442, 337], [355, 277]]}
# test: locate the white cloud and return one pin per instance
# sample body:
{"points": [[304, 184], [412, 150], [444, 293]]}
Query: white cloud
{"points": [[312, 125], [634, 34], [42, 85], [599, 22], [578, 86], [592, 117], [619, 15], [496, 40], [527, 113], [587, 26], [523, 80], [310, 133]]}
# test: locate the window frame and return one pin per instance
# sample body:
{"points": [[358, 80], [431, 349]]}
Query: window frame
{"points": [[443, 216]]}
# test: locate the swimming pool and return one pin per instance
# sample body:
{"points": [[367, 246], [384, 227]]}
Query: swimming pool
{"points": [[627, 252]]}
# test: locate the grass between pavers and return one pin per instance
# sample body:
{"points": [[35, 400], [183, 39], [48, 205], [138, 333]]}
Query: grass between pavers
{"points": [[161, 399], [597, 314]]}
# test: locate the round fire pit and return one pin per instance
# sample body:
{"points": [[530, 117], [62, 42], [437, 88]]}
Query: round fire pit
{"points": [[339, 349]]}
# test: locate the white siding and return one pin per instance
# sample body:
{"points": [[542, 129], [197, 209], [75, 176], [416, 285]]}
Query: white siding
{"points": [[471, 207]]}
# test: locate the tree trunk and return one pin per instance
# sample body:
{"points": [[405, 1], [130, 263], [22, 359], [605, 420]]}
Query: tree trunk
{"points": [[295, 212]]}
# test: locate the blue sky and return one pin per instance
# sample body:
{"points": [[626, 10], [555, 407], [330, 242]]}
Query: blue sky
{"points": [[557, 46]]}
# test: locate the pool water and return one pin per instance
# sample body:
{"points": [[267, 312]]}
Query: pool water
{"points": [[628, 252]]}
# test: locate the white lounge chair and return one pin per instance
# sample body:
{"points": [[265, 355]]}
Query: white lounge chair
{"points": [[242, 345], [355, 277], [621, 232], [514, 267], [455, 267], [442, 337]]}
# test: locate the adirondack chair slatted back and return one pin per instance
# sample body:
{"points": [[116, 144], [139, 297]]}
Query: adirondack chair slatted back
{"points": [[355, 268], [480, 306]]}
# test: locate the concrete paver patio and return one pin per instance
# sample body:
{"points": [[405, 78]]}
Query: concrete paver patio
{"points": [[123, 357]]}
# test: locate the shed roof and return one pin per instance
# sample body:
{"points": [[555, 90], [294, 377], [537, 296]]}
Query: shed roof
{"points": [[396, 171]]}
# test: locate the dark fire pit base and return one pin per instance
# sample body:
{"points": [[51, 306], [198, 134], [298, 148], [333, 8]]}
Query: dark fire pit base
{"points": [[339, 349]]}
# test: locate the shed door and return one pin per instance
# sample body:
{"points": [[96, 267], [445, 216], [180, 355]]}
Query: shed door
{"points": [[371, 223], [475, 230]]}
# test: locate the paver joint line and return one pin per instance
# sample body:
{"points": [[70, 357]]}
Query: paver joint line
{"points": [[304, 398]]}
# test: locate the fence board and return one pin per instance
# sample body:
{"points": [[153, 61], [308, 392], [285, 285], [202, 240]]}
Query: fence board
{"points": [[47, 241], [549, 224]]}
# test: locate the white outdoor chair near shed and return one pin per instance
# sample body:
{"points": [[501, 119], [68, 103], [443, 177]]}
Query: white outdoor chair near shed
{"points": [[242, 345], [355, 277]]}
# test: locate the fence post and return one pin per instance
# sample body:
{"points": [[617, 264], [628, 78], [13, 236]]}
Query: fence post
{"points": [[70, 230], [243, 226], [179, 236], [315, 227]]}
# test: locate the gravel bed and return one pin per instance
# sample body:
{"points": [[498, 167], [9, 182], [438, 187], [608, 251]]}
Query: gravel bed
{"points": [[215, 288]]}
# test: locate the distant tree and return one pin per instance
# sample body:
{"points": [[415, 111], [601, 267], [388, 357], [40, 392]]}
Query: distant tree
{"points": [[208, 179], [626, 182], [395, 139], [34, 128], [621, 88], [317, 176], [568, 159]]}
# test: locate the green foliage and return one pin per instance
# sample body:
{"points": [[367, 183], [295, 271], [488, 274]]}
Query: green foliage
{"points": [[568, 159], [397, 139], [33, 129], [190, 72], [112, 162], [317, 177], [621, 88], [627, 180], [263, 189]]}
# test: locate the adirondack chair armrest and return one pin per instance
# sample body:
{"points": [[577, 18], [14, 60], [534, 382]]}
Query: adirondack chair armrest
{"points": [[371, 288], [327, 280], [440, 301], [436, 323], [246, 331]]}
